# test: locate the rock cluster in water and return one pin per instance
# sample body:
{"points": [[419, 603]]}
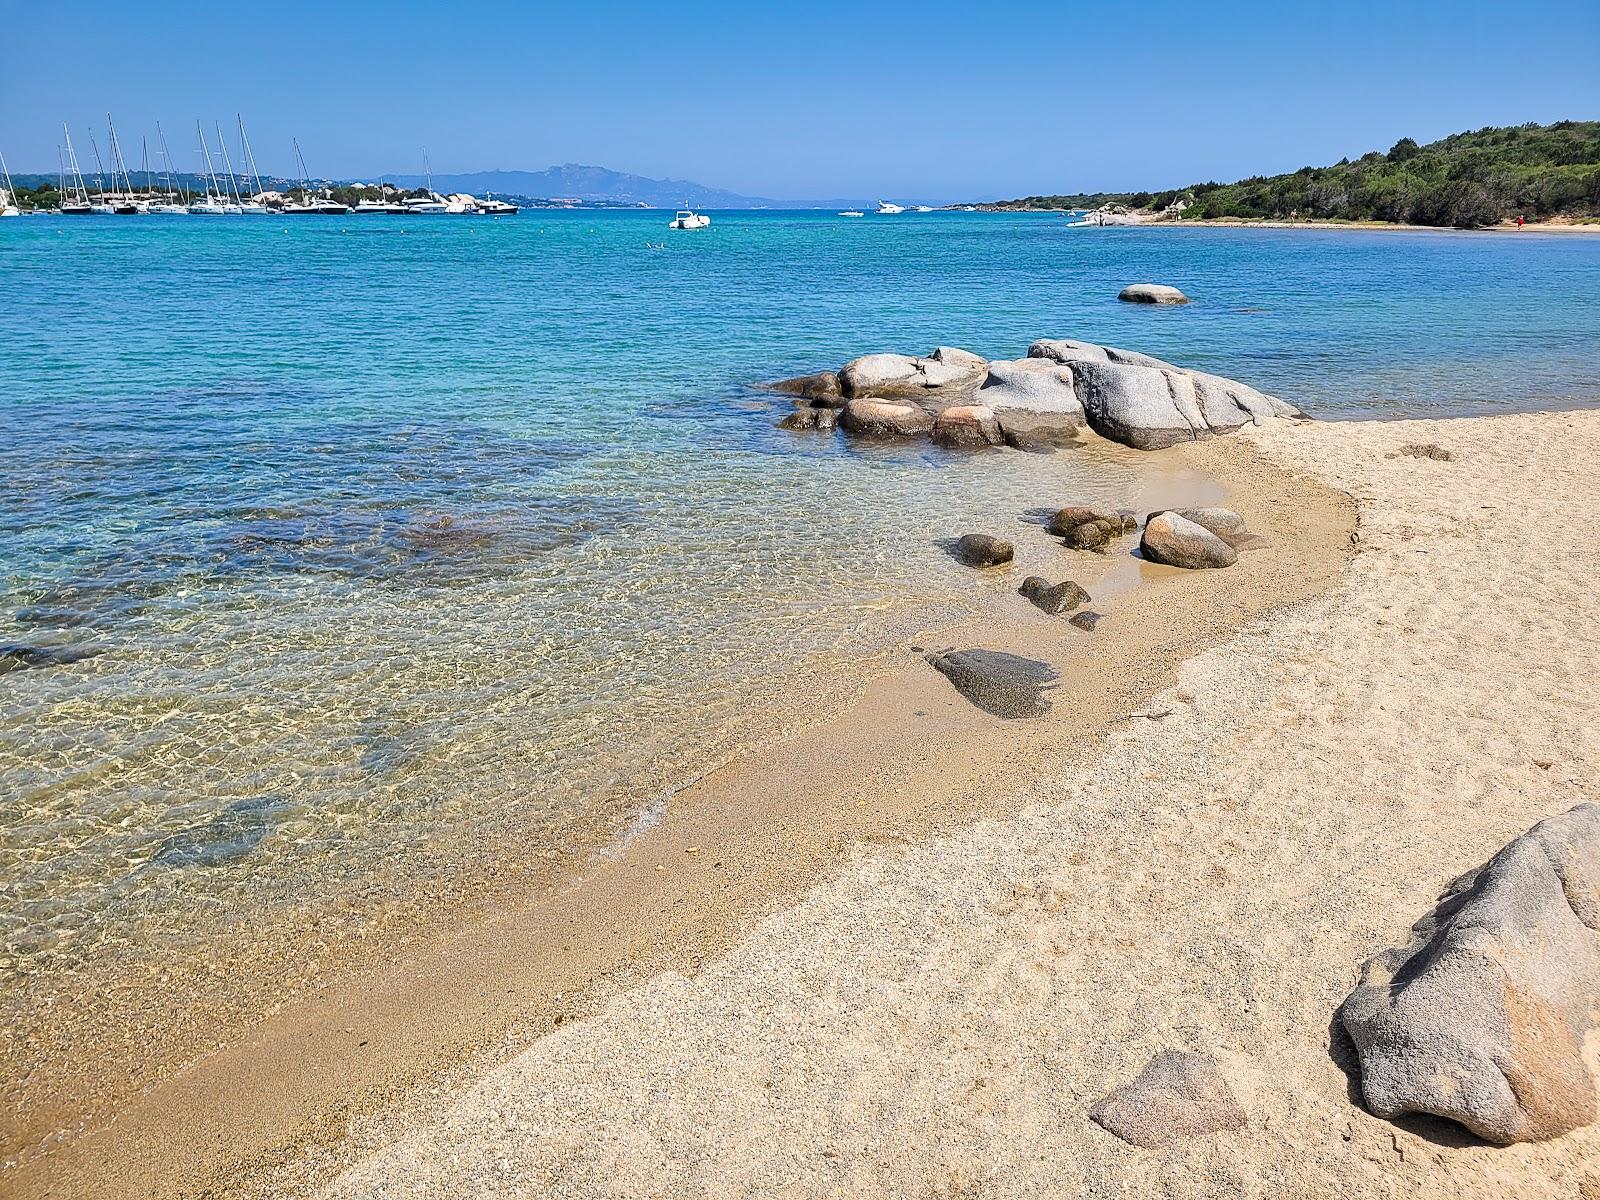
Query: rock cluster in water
{"points": [[962, 401], [1482, 1017]]}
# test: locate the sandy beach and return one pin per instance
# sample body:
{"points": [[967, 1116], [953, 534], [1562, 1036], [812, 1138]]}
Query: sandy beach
{"points": [[936, 1019], [906, 952]]}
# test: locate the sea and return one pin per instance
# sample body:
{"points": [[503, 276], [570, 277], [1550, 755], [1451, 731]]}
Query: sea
{"points": [[344, 557]]}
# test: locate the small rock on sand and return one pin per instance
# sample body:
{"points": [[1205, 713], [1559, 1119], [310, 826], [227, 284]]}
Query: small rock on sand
{"points": [[1226, 524], [1482, 1018], [1179, 542], [1053, 598], [982, 550], [1152, 293], [1086, 620], [1178, 1094], [1004, 685], [1427, 450]]}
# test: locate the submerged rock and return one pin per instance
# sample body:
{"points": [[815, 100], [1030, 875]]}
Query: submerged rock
{"points": [[1179, 542], [1118, 520], [885, 418], [966, 425], [1152, 293], [232, 833], [1004, 685], [1053, 598], [1178, 1095], [1481, 1019], [800, 418], [982, 550], [821, 389], [19, 657]]}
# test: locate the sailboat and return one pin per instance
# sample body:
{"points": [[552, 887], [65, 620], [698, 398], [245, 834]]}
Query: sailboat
{"points": [[169, 202], [255, 205], [101, 204], [311, 205], [431, 203], [244, 206], [76, 202], [8, 194], [123, 203], [215, 203]]}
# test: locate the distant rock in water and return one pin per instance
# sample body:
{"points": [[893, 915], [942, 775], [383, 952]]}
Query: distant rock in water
{"points": [[234, 832], [1482, 1017], [1152, 293], [982, 550], [1179, 542], [1004, 685], [15, 657], [1177, 1095]]}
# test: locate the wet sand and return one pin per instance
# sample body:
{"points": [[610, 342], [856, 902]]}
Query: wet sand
{"points": [[273, 1111], [937, 1018]]}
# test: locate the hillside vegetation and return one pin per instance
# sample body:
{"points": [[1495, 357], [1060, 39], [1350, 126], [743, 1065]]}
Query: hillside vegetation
{"points": [[1465, 180]]}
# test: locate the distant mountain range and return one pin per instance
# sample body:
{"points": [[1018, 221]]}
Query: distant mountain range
{"points": [[575, 181]]}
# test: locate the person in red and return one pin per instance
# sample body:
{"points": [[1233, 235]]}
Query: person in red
{"points": [[1519, 220]]}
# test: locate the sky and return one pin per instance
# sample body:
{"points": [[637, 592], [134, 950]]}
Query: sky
{"points": [[929, 101]]}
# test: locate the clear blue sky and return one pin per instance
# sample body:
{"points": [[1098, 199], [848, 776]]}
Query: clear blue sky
{"points": [[915, 99]]}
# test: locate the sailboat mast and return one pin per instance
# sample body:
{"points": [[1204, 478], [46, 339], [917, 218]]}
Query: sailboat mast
{"points": [[166, 157], [144, 153], [11, 188], [118, 163], [233, 184], [305, 180], [249, 155], [211, 171], [99, 167], [82, 193]]}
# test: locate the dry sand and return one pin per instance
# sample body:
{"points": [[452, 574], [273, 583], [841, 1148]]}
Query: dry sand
{"points": [[937, 1020]]}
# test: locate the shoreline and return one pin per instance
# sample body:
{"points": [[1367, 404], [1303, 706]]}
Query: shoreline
{"points": [[1157, 222], [906, 759], [1211, 881]]}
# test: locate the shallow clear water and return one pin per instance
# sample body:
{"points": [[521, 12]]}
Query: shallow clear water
{"points": [[385, 533]]}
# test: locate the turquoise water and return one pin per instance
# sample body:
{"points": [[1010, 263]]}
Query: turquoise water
{"points": [[390, 541]]}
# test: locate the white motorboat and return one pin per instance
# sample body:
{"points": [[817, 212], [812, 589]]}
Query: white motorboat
{"points": [[923, 208], [886, 209], [687, 219], [491, 207], [369, 207], [425, 204], [852, 212]]}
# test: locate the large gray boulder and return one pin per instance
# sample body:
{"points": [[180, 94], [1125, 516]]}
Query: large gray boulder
{"points": [[1481, 1019], [1178, 1095], [1034, 400], [902, 377], [1143, 407], [1226, 524], [885, 418], [1004, 685], [1179, 542], [1066, 350], [1152, 293]]}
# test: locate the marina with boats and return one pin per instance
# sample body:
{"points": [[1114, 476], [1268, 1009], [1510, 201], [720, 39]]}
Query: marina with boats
{"points": [[222, 188]]}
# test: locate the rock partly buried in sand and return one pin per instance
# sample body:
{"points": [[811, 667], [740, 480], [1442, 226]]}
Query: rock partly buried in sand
{"points": [[1481, 1019], [1086, 527], [1152, 293], [1179, 542], [821, 389], [885, 418], [982, 550], [1151, 408], [903, 377], [1226, 524], [966, 425], [1053, 598], [1426, 450], [1086, 620], [1177, 1095], [1004, 685]]}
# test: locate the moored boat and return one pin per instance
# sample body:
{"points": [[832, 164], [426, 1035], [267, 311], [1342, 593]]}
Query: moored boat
{"points": [[688, 219]]}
